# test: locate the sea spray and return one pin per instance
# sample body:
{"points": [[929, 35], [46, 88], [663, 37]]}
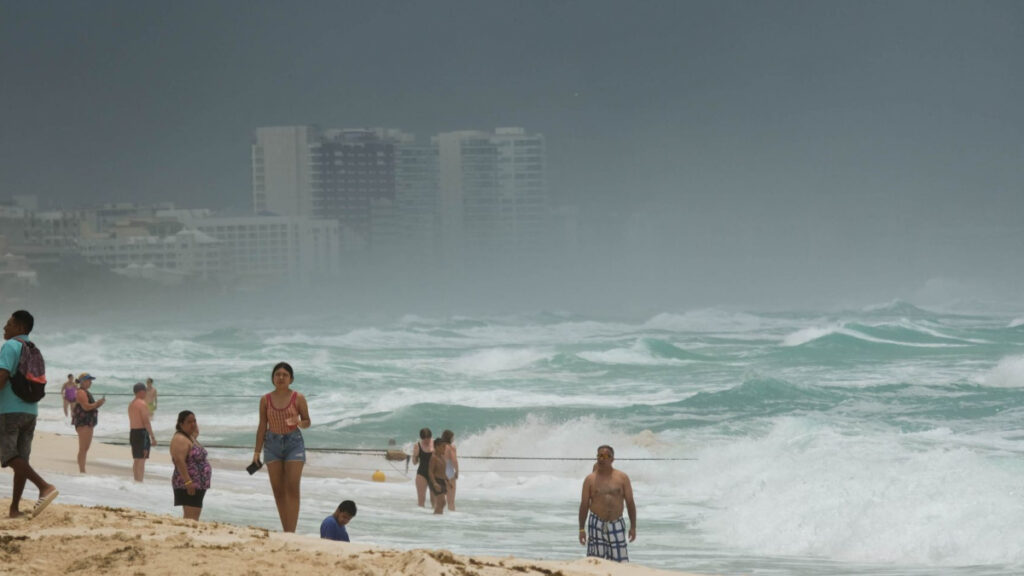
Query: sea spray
{"points": [[801, 443], [1008, 373]]}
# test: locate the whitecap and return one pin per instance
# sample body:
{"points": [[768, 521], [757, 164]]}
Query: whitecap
{"points": [[811, 334], [499, 360], [639, 354], [805, 335], [709, 320], [809, 488], [1008, 373]]}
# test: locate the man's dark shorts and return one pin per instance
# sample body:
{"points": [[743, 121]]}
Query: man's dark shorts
{"points": [[139, 439], [16, 432]]}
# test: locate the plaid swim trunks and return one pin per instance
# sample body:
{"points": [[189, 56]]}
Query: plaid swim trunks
{"points": [[607, 539]]}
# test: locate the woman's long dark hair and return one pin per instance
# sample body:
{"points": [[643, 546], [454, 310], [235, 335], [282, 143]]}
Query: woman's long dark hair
{"points": [[182, 416]]}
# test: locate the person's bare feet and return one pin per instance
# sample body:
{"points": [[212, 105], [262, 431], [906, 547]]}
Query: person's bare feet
{"points": [[15, 513]]}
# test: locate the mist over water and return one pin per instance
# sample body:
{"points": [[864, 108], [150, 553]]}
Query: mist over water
{"points": [[876, 440], [777, 257]]}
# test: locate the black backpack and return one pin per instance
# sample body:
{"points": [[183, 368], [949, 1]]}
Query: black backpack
{"points": [[29, 380]]}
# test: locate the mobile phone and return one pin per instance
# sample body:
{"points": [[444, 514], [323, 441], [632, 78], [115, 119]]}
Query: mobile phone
{"points": [[252, 468]]}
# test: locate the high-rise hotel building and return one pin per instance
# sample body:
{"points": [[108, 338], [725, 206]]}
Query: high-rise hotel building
{"points": [[493, 190], [417, 198], [282, 170], [346, 176], [354, 180], [461, 192]]}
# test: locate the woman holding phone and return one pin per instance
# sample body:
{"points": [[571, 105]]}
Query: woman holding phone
{"points": [[85, 415], [282, 413]]}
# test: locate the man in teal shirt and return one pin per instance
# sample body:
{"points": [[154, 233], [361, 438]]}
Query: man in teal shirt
{"points": [[18, 419]]}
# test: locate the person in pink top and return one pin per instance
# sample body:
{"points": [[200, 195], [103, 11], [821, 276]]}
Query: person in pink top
{"points": [[141, 435], [282, 413]]}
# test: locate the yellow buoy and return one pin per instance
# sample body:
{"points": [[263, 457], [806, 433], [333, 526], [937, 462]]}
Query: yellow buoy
{"points": [[378, 476]]}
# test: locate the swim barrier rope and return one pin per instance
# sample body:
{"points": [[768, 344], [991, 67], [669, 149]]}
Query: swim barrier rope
{"points": [[383, 452], [371, 451]]}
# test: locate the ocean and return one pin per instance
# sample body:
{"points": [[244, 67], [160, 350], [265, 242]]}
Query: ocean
{"points": [[881, 440]]}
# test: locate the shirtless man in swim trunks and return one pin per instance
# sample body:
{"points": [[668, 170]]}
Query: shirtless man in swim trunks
{"points": [[605, 492]]}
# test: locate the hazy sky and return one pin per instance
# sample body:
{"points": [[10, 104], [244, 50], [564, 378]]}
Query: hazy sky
{"points": [[892, 131]]}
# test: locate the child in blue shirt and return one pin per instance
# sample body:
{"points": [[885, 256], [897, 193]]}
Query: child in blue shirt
{"points": [[333, 527]]}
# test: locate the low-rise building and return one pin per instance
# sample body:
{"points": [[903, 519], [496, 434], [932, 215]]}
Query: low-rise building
{"points": [[188, 254], [15, 272], [274, 246]]}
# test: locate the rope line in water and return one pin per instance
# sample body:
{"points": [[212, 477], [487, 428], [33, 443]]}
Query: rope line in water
{"points": [[161, 395], [369, 451], [576, 459], [382, 452]]}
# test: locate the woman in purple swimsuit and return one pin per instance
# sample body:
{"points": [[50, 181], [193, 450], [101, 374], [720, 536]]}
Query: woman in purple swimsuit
{"points": [[192, 472]]}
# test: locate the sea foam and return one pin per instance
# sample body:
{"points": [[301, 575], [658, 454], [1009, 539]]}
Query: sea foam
{"points": [[709, 320], [644, 351], [1008, 373], [498, 360], [808, 488]]}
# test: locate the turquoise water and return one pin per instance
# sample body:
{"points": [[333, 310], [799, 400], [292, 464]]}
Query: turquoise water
{"points": [[885, 440]]}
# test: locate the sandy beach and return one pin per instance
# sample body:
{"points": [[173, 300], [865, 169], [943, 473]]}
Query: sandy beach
{"points": [[75, 539]]}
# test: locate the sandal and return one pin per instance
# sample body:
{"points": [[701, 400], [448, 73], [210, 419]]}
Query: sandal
{"points": [[43, 502]]}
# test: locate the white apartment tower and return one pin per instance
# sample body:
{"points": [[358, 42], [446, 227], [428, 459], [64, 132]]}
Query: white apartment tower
{"points": [[417, 189], [282, 178], [493, 190]]}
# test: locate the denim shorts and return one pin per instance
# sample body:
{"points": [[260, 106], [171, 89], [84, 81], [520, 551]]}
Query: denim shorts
{"points": [[288, 447]]}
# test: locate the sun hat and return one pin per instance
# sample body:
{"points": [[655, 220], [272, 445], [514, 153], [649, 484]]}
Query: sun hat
{"points": [[84, 376]]}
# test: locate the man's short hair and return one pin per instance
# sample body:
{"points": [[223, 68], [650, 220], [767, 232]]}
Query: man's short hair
{"points": [[610, 449], [25, 320], [349, 507]]}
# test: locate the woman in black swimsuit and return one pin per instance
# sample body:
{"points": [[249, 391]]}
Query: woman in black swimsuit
{"points": [[421, 456]]}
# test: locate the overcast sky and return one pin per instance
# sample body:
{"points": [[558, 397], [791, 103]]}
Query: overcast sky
{"points": [[828, 129]]}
